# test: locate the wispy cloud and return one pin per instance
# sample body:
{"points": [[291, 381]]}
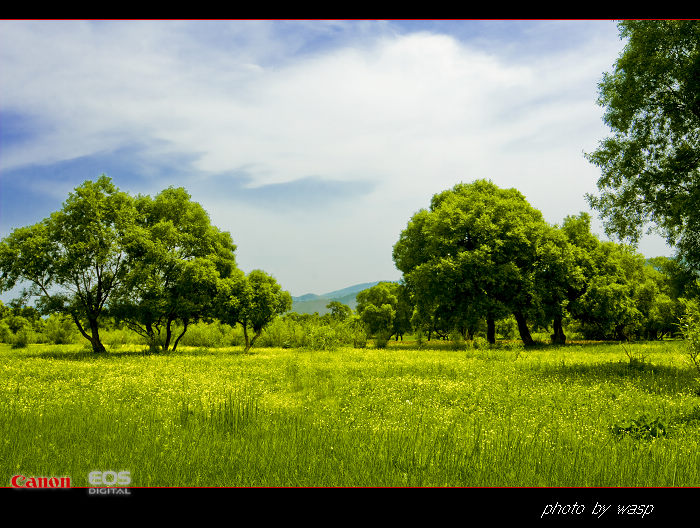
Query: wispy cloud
{"points": [[259, 120]]}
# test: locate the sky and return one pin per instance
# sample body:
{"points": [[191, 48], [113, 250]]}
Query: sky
{"points": [[312, 142]]}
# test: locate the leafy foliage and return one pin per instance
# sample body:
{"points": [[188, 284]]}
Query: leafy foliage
{"points": [[20, 339], [621, 294], [59, 329], [651, 164], [641, 428], [253, 301], [385, 309], [481, 251], [690, 328], [177, 260], [75, 259], [339, 311]]}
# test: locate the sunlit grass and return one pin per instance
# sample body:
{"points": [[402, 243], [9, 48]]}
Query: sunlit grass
{"points": [[500, 416]]}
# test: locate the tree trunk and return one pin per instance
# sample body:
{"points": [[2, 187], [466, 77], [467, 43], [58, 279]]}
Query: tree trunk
{"points": [[490, 330], [247, 339], [522, 328], [620, 333], [152, 339], [558, 337], [257, 334], [168, 334], [97, 345], [185, 322], [80, 328]]}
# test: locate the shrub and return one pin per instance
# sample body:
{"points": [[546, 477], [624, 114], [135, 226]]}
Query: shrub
{"points": [[507, 328], [121, 336], [324, 338], [20, 339], [637, 361], [312, 331], [60, 330], [420, 338], [457, 340], [210, 335], [277, 334], [479, 343], [382, 339], [5, 332], [359, 337]]}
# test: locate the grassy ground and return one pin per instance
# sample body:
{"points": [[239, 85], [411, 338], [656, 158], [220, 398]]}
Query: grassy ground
{"points": [[400, 416]]}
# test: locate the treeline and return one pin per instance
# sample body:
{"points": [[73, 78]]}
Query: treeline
{"points": [[342, 327], [479, 263], [481, 255], [389, 315], [155, 265]]}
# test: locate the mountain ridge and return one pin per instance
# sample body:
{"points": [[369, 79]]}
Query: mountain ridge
{"points": [[311, 302]]}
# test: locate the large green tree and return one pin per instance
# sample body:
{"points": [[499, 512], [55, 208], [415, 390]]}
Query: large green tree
{"points": [[75, 259], [651, 163], [178, 259], [479, 252]]}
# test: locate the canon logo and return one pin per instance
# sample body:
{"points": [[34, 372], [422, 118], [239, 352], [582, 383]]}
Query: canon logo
{"points": [[20, 481]]}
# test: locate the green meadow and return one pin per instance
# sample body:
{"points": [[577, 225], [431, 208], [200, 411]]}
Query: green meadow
{"points": [[581, 414]]}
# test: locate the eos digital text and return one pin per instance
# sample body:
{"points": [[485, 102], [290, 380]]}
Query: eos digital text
{"points": [[109, 482]]}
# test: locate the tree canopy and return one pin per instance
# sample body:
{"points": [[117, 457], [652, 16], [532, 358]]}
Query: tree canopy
{"points": [[76, 259], [477, 252], [651, 164], [339, 311], [177, 259], [385, 309], [252, 301]]}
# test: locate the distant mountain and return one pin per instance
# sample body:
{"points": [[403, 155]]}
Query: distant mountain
{"points": [[310, 302], [307, 297]]}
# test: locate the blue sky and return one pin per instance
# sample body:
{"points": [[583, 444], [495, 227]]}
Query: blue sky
{"points": [[312, 142]]}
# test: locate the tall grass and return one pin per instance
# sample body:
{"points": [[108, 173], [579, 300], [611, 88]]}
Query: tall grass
{"points": [[396, 416]]}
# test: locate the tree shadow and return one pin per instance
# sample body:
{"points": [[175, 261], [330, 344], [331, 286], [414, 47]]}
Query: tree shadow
{"points": [[55, 352], [656, 379]]}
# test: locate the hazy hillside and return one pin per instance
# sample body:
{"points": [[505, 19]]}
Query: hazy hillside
{"points": [[310, 302]]}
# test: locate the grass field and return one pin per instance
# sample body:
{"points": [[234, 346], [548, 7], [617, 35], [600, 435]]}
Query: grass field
{"points": [[400, 416]]}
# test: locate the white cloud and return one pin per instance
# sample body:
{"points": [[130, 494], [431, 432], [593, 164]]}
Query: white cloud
{"points": [[423, 99], [415, 113]]}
